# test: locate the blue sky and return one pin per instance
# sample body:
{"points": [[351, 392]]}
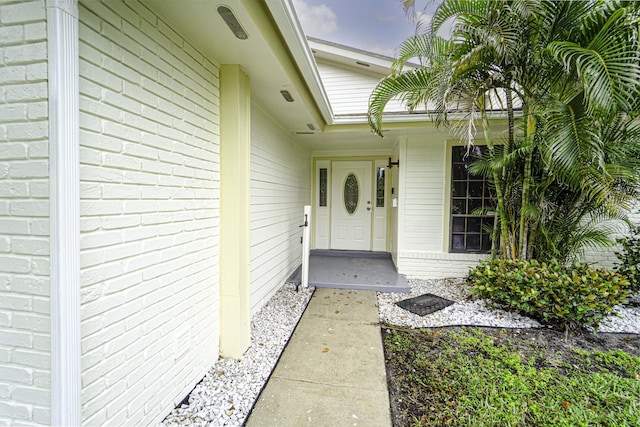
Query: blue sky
{"points": [[377, 26]]}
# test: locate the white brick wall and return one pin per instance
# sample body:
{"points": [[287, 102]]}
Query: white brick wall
{"points": [[607, 258], [280, 179], [149, 214], [24, 215]]}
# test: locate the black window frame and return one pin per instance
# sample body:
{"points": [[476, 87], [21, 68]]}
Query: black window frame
{"points": [[468, 192]]}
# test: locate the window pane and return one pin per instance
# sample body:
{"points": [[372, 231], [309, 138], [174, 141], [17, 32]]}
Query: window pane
{"points": [[459, 171], [458, 224], [473, 205], [457, 242], [460, 189], [475, 188], [322, 182], [488, 192], [474, 224], [473, 242], [486, 242], [351, 190], [457, 154], [459, 206], [380, 188]]}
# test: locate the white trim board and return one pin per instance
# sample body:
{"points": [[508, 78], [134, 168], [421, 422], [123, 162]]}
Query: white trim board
{"points": [[64, 216]]}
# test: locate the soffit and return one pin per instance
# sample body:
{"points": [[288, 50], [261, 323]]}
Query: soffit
{"points": [[262, 55]]}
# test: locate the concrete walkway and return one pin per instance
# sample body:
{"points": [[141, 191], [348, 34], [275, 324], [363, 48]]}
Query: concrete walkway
{"points": [[332, 371]]}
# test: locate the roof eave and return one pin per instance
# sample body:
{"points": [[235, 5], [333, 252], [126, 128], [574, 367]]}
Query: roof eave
{"points": [[288, 23]]}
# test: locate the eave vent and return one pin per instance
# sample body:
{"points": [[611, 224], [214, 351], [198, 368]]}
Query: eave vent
{"points": [[311, 126], [286, 95], [232, 22], [364, 64], [305, 133]]}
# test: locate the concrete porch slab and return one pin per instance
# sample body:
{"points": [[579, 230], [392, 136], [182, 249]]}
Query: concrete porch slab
{"points": [[358, 270]]}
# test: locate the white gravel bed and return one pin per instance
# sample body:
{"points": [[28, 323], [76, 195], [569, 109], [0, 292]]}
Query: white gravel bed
{"points": [[226, 394], [472, 311], [626, 319]]}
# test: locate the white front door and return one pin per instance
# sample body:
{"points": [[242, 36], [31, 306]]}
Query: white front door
{"points": [[351, 205]]}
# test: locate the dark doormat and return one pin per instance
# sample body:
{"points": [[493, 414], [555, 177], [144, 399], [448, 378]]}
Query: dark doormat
{"points": [[424, 304]]}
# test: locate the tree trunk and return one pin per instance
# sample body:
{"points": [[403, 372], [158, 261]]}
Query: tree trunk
{"points": [[526, 188], [500, 211]]}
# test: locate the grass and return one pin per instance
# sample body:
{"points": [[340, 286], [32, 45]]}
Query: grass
{"points": [[473, 377]]}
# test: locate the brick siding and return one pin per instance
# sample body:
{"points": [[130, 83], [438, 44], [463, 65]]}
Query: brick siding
{"points": [[24, 215], [149, 214]]}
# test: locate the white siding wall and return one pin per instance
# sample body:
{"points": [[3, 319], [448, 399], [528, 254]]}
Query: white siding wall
{"points": [[149, 214], [24, 216], [280, 187], [421, 251], [349, 90], [424, 169], [395, 210]]}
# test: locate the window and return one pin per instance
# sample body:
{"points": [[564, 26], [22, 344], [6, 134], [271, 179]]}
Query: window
{"points": [[323, 187], [469, 194], [379, 187], [351, 193]]}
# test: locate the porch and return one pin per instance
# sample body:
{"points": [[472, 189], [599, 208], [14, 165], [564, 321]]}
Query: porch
{"points": [[357, 270]]}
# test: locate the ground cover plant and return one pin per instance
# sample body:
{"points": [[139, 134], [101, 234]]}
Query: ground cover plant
{"points": [[511, 377]]}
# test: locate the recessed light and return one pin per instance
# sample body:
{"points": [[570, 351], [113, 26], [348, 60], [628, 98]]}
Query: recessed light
{"points": [[286, 95], [232, 22], [311, 126]]}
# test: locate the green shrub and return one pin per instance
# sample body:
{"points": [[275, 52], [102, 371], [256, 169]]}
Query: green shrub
{"points": [[566, 297], [629, 257]]}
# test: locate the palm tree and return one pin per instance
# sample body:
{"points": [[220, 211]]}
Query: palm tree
{"points": [[573, 69]]}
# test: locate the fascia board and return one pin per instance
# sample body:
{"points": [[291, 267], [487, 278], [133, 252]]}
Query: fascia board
{"points": [[287, 21]]}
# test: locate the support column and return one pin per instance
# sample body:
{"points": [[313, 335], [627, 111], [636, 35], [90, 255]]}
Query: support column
{"points": [[64, 200], [235, 143]]}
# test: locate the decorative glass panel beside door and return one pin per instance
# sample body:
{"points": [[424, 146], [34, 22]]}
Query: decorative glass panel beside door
{"points": [[351, 193], [380, 187]]}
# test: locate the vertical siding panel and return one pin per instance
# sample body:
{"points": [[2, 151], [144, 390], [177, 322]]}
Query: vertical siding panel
{"points": [[424, 193], [280, 187], [349, 90]]}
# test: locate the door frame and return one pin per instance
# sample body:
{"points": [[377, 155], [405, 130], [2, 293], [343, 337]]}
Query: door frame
{"points": [[321, 226]]}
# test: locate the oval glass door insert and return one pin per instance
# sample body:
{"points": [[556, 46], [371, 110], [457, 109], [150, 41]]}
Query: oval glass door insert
{"points": [[351, 193]]}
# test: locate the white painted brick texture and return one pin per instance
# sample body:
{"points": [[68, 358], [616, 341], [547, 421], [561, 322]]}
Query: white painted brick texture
{"points": [[606, 257], [149, 214], [280, 177], [24, 215]]}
